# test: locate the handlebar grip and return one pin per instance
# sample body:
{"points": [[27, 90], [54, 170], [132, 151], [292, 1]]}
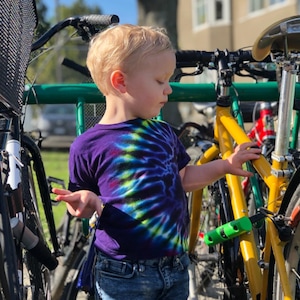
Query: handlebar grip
{"points": [[190, 58], [100, 20]]}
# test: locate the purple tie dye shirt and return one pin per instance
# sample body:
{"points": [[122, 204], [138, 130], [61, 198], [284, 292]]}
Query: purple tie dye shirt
{"points": [[134, 166]]}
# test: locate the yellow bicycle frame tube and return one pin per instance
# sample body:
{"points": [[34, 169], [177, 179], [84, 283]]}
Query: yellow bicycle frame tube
{"points": [[238, 203]]}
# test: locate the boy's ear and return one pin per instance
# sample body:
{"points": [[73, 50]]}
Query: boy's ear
{"points": [[117, 79]]}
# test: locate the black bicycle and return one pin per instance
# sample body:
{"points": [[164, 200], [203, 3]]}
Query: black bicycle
{"points": [[27, 258]]}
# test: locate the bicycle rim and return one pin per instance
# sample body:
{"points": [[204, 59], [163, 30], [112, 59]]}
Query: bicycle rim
{"points": [[291, 255]]}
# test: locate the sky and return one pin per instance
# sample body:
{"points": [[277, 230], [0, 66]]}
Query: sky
{"points": [[126, 10]]}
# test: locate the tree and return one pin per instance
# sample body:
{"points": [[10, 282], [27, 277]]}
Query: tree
{"points": [[48, 68], [162, 14]]}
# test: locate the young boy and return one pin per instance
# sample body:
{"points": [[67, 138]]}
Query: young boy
{"points": [[133, 171]]}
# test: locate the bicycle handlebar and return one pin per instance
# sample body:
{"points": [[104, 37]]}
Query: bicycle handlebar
{"points": [[86, 26], [223, 60], [192, 58]]}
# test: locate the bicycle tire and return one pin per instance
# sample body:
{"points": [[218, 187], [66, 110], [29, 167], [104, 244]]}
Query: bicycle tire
{"points": [[203, 259], [208, 260], [71, 291], [222, 265], [74, 247], [36, 277], [232, 265], [291, 255]]}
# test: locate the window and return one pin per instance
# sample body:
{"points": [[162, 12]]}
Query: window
{"points": [[211, 12], [200, 8], [271, 2], [255, 5], [219, 10]]}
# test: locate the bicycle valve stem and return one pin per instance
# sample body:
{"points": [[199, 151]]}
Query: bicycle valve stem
{"points": [[33, 244]]}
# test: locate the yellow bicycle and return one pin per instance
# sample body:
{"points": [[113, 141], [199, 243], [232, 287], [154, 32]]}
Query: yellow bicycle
{"points": [[269, 270]]}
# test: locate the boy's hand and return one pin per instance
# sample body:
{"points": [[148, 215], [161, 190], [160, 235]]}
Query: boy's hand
{"points": [[81, 203], [242, 153]]}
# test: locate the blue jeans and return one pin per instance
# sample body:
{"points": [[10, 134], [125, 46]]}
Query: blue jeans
{"points": [[165, 278]]}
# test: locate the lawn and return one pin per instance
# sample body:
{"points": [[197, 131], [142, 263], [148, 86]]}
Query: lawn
{"points": [[56, 165]]}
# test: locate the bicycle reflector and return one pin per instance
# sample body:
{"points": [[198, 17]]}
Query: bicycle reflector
{"points": [[228, 231]]}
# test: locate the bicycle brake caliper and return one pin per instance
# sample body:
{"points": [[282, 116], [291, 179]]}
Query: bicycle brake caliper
{"points": [[285, 232]]}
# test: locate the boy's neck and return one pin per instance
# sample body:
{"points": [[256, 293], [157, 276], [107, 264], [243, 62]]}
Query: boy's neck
{"points": [[115, 116]]}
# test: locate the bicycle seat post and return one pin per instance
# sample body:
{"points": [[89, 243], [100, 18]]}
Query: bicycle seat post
{"points": [[281, 40], [286, 100]]}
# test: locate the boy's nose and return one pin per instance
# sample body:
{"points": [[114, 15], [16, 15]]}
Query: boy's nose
{"points": [[168, 90]]}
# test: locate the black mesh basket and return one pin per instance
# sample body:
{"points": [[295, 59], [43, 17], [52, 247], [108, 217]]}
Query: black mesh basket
{"points": [[17, 23]]}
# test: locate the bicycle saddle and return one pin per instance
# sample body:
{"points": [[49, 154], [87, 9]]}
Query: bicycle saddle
{"points": [[283, 35]]}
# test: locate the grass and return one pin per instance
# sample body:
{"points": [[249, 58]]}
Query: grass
{"points": [[56, 165]]}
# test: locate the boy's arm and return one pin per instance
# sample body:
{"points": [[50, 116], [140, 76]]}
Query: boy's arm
{"points": [[195, 177]]}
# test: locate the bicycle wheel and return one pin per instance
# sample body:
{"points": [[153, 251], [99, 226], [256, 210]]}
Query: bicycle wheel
{"points": [[36, 277], [74, 245], [71, 291], [291, 253], [204, 259], [231, 261], [9, 283]]}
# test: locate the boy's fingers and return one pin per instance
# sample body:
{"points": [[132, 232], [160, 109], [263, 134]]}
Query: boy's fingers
{"points": [[69, 198], [247, 174], [58, 191], [66, 197]]}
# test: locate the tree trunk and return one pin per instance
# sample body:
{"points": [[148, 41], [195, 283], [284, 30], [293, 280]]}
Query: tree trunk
{"points": [[162, 13]]}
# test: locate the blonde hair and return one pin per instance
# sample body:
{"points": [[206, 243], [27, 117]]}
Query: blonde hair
{"points": [[123, 47]]}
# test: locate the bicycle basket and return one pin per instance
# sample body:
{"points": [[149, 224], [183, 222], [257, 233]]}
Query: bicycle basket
{"points": [[17, 23]]}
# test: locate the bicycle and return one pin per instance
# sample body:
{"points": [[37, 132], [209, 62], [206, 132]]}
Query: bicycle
{"points": [[267, 276], [26, 258]]}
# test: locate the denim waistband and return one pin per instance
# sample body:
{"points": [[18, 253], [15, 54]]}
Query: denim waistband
{"points": [[161, 261], [165, 260]]}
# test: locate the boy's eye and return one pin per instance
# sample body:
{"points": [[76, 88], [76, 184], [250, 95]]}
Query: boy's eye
{"points": [[160, 82]]}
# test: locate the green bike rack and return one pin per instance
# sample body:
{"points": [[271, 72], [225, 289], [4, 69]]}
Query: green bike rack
{"points": [[182, 92]]}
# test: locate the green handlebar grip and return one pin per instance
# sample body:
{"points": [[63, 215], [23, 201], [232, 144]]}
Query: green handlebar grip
{"points": [[228, 231]]}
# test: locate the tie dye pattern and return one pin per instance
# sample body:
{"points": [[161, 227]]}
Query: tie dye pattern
{"points": [[134, 166]]}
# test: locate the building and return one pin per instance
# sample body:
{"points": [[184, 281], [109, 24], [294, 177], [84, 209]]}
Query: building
{"points": [[226, 24], [232, 24]]}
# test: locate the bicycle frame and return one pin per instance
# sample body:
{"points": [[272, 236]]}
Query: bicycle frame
{"points": [[275, 176], [226, 128]]}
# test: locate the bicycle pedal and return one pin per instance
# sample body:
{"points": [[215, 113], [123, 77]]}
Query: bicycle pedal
{"points": [[57, 181]]}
